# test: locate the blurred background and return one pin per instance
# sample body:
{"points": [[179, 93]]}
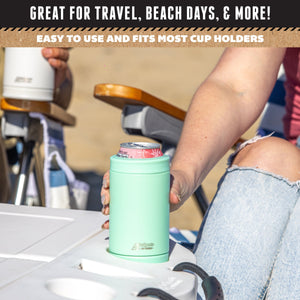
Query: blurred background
{"points": [[172, 74]]}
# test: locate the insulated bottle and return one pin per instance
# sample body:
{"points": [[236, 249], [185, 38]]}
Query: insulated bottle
{"points": [[139, 203], [27, 75]]}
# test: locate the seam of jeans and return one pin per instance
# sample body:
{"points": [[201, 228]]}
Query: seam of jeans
{"points": [[279, 248], [268, 283], [199, 235]]}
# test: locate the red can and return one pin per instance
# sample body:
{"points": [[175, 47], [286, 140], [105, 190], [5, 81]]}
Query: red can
{"points": [[139, 150]]}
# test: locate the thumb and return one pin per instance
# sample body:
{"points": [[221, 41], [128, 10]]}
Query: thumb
{"points": [[178, 190]]}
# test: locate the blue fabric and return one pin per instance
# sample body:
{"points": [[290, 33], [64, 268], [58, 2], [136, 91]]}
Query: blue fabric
{"points": [[180, 238], [57, 178], [276, 101], [278, 94]]}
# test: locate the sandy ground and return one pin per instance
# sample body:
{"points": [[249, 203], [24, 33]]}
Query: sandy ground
{"points": [[172, 74]]}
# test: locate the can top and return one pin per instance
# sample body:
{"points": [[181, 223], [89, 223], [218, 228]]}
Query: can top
{"points": [[139, 150], [140, 145], [140, 166]]}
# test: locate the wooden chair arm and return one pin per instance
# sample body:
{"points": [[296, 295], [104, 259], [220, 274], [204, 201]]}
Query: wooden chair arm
{"points": [[121, 95], [49, 109]]}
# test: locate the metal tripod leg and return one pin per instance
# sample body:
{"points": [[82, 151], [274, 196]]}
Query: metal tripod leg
{"points": [[31, 161], [39, 175], [19, 192], [201, 199]]}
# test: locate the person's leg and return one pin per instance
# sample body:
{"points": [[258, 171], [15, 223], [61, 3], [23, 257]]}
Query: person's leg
{"points": [[243, 228]]}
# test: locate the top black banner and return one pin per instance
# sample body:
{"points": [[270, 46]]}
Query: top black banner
{"points": [[137, 14]]}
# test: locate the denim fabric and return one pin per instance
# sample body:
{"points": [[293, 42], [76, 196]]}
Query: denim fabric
{"points": [[250, 237], [285, 279]]}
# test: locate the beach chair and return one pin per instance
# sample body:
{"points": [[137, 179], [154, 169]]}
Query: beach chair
{"points": [[40, 179]]}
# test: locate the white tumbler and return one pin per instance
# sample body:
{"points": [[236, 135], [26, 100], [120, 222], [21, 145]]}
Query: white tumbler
{"points": [[27, 75]]}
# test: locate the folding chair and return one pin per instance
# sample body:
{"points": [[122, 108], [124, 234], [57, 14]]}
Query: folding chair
{"points": [[34, 123]]}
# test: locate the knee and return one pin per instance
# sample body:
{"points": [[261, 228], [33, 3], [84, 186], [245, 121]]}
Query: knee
{"points": [[273, 155]]}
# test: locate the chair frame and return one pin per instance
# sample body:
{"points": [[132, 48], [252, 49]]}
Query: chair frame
{"points": [[31, 159]]}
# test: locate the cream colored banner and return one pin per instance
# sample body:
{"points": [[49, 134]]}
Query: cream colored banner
{"points": [[150, 37]]}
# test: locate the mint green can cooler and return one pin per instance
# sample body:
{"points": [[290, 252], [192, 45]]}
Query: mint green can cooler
{"points": [[139, 208]]}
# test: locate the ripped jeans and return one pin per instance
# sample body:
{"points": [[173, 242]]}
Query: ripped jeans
{"points": [[250, 236]]}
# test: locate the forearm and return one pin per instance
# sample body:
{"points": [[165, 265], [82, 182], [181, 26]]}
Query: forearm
{"points": [[222, 109], [212, 125]]}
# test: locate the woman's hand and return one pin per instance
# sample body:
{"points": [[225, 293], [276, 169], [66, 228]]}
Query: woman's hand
{"points": [[58, 59], [179, 192], [180, 189]]}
